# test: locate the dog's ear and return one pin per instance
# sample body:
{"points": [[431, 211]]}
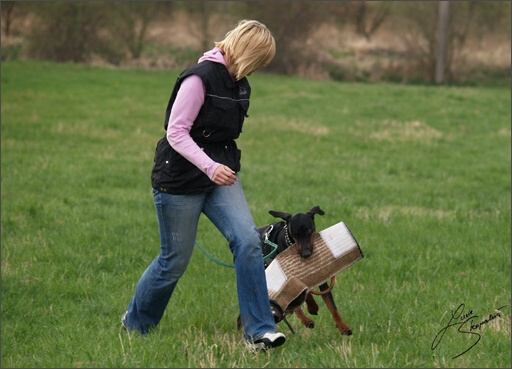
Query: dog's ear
{"points": [[315, 210], [280, 214]]}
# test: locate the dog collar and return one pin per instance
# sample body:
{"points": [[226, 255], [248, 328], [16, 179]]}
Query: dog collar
{"points": [[287, 237]]}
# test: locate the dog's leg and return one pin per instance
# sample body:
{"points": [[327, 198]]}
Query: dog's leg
{"points": [[306, 322], [311, 304], [329, 301], [312, 309]]}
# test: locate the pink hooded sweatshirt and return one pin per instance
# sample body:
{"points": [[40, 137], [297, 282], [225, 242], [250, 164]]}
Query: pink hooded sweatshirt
{"points": [[188, 102]]}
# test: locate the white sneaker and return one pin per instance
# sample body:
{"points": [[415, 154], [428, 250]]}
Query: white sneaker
{"points": [[268, 340], [123, 320]]}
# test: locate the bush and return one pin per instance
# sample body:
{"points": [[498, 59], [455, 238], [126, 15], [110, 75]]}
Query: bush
{"points": [[70, 31]]}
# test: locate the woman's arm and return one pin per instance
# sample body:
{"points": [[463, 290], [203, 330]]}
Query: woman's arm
{"points": [[184, 111]]}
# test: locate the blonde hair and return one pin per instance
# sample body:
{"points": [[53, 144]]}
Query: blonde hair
{"points": [[248, 47]]}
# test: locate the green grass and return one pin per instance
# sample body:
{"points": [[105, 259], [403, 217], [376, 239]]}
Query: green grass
{"points": [[420, 174]]}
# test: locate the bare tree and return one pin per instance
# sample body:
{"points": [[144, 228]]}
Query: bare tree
{"points": [[7, 16], [369, 18], [206, 19], [290, 22], [129, 23], [65, 31], [422, 36]]}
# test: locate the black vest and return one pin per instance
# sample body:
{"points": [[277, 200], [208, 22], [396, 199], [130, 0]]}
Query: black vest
{"points": [[217, 125]]}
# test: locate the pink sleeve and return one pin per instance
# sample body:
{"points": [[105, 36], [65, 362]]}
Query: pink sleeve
{"points": [[184, 111]]}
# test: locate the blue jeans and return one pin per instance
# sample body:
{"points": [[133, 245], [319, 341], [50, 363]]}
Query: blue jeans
{"points": [[178, 218]]}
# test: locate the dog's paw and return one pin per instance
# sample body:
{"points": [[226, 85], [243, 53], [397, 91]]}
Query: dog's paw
{"points": [[345, 331], [307, 322], [310, 324]]}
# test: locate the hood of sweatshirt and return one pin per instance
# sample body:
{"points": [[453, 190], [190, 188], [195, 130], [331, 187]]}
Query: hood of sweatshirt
{"points": [[214, 55]]}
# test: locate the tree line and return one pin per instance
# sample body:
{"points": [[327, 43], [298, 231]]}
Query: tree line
{"points": [[118, 31]]}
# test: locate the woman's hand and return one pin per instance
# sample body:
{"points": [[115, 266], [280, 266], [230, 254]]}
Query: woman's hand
{"points": [[224, 176]]}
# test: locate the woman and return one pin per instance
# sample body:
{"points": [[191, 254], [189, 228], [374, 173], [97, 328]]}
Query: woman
{"points": [[196, 170]]}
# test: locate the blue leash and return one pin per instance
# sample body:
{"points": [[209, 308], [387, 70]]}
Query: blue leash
{"points": [[232, 266]]}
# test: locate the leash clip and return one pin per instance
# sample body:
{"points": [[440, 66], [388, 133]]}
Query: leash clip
{"points": [[268, 232]]}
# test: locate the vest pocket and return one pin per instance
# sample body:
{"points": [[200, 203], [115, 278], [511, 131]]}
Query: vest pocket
{"points": [[224, 117], [223, 103], [161, 159]]}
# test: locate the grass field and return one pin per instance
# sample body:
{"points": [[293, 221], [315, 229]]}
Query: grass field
{"points": [[420, 174]]}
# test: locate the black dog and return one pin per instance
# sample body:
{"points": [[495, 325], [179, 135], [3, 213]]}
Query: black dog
{"points": [[299, 229]]}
